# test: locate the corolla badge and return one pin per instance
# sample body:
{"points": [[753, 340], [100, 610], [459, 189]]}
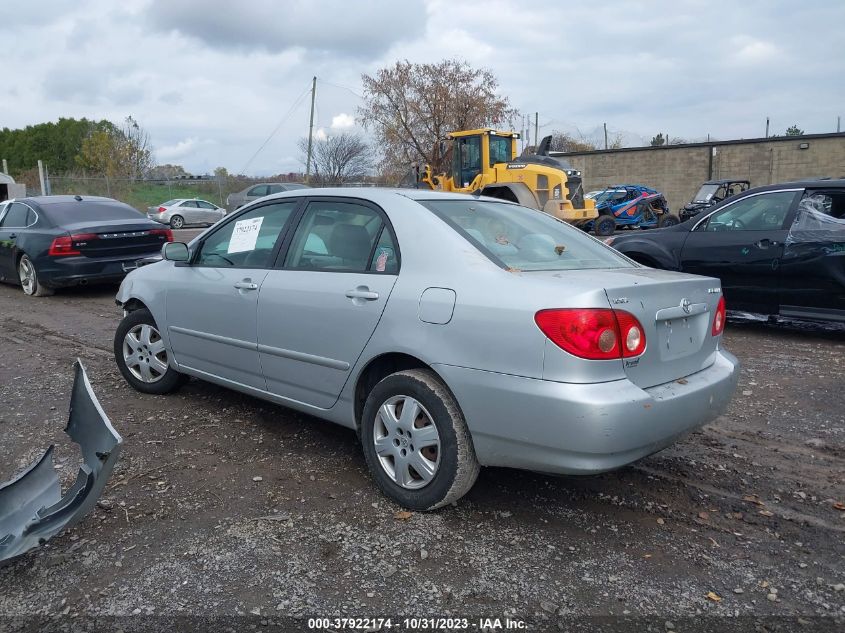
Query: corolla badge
{"points": [[685, 304]]}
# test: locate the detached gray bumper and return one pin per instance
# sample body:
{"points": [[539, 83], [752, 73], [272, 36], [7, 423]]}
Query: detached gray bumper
{"points": [[32, 507]]}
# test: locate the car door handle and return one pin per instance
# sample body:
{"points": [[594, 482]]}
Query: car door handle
{"points": [[246, 284], [362, 292], [12, 236], [765, 243]]}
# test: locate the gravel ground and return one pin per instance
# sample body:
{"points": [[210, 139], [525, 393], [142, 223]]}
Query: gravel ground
{"points": [[225, 506]]}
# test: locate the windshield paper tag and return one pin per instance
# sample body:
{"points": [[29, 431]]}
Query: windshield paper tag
{"points": [[245, 235]]}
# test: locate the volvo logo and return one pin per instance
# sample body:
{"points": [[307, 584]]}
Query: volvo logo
{"points": [[685, 304]]}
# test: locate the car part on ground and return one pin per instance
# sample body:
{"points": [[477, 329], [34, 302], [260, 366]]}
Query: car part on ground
{"points": [[778, 249], [519, 340], [181, 212], [32, 506], [49, 242], [710, 193], [537, 180]]}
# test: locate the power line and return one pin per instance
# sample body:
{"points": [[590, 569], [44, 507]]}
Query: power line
{"points": [[276, 129], [347, 88]]}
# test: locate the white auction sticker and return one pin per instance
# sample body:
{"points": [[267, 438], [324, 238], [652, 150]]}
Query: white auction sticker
{"points": [[245, 235]]}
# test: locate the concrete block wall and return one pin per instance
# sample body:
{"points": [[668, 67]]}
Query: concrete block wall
{"points": [[679, 170]]}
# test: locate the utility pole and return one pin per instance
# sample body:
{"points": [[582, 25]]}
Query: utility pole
{"points": [[41, 178], [536, 129], [310, 131], [6, 164], [605, 135], [767, 127], [838, 123]]}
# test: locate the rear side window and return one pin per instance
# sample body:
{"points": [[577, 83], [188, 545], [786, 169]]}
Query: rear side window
{"points": [[189, 203], [260, 190], [249, 240], [518, 238], [342, 236], [16, 217]]}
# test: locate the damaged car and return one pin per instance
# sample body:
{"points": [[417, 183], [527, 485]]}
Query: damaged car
{"points": [[32, 506], [449, 331], [779, 250]]}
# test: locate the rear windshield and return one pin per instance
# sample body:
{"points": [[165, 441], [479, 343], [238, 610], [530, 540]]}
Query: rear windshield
{"points": [[519, 238], [170, 202], [67, 212]]}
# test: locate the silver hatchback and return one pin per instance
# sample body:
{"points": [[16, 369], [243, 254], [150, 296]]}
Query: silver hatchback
{"points": [[451, 332]]}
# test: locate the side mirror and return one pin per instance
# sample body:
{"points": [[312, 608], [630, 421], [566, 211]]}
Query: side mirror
{"points": [[175, 252]]}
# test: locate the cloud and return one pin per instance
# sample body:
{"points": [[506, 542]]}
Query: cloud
{"points": [[177, 151], [343, 121], [363, 28], [320, 134], [752, 51]]}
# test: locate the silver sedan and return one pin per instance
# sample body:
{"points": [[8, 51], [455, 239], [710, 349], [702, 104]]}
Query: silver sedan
{"points": [[183, 212], [451, 332]]}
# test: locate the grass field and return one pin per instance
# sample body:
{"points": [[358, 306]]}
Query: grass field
{"points": [[145, 194]]}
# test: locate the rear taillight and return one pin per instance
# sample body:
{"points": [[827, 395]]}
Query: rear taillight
{"points": [[162, 209], [167, 233], [67, 245], [593, 333], [719, 319]]}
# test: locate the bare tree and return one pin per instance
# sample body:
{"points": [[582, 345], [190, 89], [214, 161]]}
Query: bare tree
{"points": [[566, 142], [117, 152], [411, 108], [337, 160]]}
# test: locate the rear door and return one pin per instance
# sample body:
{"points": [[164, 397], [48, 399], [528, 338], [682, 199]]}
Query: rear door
{"points": [[742, 244], [209, 213], [190, 212], [211, 303], [318, 310], [813, 265], [12, 222]]}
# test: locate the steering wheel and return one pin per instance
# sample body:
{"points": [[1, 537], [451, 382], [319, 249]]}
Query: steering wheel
{"points": [[735, 224]]}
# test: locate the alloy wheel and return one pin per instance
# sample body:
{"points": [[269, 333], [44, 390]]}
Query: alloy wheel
{"points": [[26, 272], [407, 442], [144, 353]]}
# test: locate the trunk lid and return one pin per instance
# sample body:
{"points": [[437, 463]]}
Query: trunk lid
{"points": [[117, 238], [676, 311]]}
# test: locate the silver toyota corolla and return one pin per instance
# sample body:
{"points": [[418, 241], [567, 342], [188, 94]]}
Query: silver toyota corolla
{"points": [[450, 331]]}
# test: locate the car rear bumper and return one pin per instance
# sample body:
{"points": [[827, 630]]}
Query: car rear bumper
{"points": [[71, 271], [584, 429], [161, 218]]}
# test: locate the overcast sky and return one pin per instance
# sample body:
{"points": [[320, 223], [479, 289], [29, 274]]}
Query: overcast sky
{"points": [[211, 80]]}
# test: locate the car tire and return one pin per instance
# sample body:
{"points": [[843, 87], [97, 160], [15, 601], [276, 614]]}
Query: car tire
{"points": [[604, 225], [28, 277], [668, 219], [141, 356], [444, 452], [177, 222]]}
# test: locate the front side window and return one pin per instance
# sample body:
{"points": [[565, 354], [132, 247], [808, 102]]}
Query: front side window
{"points": [[763, 212], [340, 236], [202, 204], [518, 238], [248, 241], [260, 190]]}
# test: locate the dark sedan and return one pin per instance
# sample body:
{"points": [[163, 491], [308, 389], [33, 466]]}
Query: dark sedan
{"points": [[49, 242], [778, 249]]}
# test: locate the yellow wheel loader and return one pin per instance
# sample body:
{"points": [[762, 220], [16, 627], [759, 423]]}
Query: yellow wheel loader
{"points": [[485, 162]]}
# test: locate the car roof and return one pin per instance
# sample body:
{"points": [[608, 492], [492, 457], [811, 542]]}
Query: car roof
{"points": [[726, 181], [378, 195], [837, 183]]}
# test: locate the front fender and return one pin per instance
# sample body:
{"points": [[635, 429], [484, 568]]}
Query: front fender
{"points": [[649, 253]]}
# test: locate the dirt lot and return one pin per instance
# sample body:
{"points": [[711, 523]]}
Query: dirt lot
{"points": [[743, 518]]}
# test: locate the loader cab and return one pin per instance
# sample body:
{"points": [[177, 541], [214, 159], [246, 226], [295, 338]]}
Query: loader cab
{"points": [[476, 151]]}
